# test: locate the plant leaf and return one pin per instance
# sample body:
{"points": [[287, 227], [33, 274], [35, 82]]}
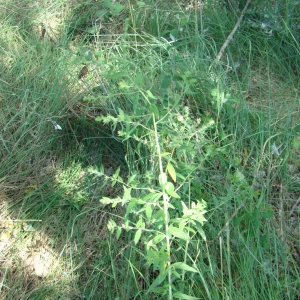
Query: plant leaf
{"points": [[158, 238], [162, 178], [159, 279], [267, 214], [297, 142], [111, 225], [150, 94], [171, 171], [101, 12], [148, 211], [154, 110], [180, 295], [170, 190], [184, 266], [214, 92], [201, 231], [118, 233], [164, 154], [137, 236], [179, 233]]}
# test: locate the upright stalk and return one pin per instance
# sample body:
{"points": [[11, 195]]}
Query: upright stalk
{"points": [[166, 201]]}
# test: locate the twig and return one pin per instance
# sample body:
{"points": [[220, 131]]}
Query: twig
{"points": [[232, 32], [26, 220]]}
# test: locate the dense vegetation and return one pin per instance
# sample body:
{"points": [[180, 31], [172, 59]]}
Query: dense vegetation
{"points": [[149, 149]]}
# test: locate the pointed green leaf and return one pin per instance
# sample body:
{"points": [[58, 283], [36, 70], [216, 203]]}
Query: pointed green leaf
{"points": [[179, 233], [201, 231], [140, 223], [152, 197], [171, 171], [184, 266], [148, 212], [238, 219], [131, 179], [169, 187], [158, 238], [118, 233], [180, 295], [154, 110], [159, 279], [150, 94], [170, 190], [127, 192], [130, 206], [137, 236], [164, 154]]}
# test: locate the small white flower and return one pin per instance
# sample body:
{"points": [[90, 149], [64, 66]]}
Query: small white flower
{"points": [[269, 32], [180, 118], [56, 126], [264, 25], [275, 149]]}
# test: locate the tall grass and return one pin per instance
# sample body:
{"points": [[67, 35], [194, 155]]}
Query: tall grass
{"points": [[155, 115]]}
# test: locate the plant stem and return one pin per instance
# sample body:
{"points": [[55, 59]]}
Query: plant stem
{"points": [[166, 200]]}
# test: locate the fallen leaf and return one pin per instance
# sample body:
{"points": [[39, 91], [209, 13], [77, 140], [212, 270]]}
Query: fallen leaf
{"points": [[83, 72]]}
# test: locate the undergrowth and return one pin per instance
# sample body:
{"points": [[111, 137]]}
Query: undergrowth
{"points": [[136, 166]]}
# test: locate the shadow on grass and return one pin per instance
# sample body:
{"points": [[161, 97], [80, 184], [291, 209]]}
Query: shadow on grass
{"points": [[56, 227], [53, 231]]}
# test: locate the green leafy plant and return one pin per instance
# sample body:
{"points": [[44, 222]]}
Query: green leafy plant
{"points": [[164, 215], [220, 98]]}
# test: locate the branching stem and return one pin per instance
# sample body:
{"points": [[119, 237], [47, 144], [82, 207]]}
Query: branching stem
{"points": [[229, 38]]}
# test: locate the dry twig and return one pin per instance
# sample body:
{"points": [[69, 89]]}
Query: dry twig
{"points": [[232, 32]]}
